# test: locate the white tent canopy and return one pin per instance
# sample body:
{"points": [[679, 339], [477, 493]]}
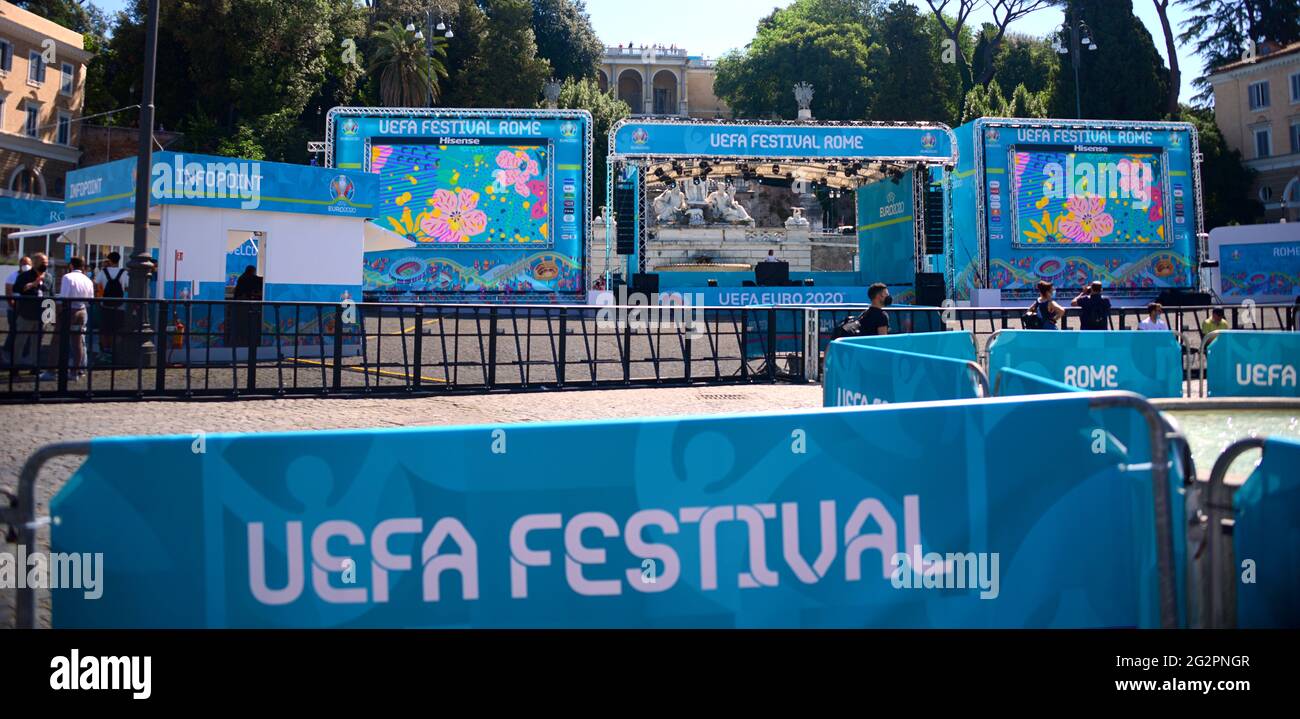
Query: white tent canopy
{"points": [[74, 223]]}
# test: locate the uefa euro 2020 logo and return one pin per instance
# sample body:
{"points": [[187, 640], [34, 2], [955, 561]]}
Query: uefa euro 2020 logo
{"points": [[342, 189], [927, 141], [568, 129], [350, 126], [640, 136]]}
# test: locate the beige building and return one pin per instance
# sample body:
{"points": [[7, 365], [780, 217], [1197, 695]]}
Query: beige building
{"points": [[42, 91], [1257, 107], [659, 80]]}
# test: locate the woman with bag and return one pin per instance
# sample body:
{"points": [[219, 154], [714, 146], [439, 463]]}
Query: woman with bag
{"points": [[1045, 313]]}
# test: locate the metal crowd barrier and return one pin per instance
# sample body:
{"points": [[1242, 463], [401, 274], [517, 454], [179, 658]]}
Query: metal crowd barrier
{"points": [[234, 349]]}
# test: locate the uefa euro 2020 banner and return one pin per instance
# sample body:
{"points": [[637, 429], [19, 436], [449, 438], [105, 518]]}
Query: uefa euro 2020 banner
{"points": [[926, 516], [1244, 363]]}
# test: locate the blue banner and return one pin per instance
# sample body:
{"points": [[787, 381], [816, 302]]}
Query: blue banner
{"points": [[101, 188], [1247, 363], [19, 212], [1267, 535], [209, 181], [798, 519], [886, 239], [1149, 363], [668, 139]]}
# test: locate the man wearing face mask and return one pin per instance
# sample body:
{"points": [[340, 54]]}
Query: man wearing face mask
{"points": [[23, 265], [32, 287], [875, 321]]}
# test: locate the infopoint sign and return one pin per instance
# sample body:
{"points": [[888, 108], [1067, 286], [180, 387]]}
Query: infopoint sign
{"points": [[489, 201], [923, 143], [1072, 202], [178, 178]]}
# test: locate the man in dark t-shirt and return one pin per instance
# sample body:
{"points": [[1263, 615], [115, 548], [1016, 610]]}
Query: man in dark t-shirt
{"points": [[1094, 309], [875, 321]]}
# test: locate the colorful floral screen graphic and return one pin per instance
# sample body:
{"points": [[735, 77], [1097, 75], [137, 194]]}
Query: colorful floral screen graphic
{"points": [[493, 193], [1113, 198]]}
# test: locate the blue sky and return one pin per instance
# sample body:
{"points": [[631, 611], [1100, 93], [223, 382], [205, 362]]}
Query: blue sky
{"points": [[711, 27]]}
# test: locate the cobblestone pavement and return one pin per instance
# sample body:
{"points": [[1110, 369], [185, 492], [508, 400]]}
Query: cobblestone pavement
{"points": [[27, 427]]}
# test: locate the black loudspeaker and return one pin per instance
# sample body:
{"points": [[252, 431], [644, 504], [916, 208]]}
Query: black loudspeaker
{"points": [[772, 274], [930, 289], [647, 283], [625, 216]]}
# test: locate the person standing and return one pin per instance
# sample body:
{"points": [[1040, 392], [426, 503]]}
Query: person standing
{"points": [[875, 321], [23, 265], [1153, 319], [1215, 323], [1048, 311], [771, 256], [76, 287], [1094, 308], [113, 281], [32, 287]]}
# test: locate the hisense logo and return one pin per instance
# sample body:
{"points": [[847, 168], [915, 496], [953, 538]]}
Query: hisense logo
{"points": [[90, 673]]}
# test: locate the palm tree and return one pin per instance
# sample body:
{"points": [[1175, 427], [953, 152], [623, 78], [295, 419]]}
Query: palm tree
{"points": [[408, 73]]}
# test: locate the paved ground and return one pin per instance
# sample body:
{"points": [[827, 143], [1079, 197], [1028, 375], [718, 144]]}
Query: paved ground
{"points": [[28, 427]]}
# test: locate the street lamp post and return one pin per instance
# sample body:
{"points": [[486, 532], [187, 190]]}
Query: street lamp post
{"points": [[141, 349], [1080, 36]]}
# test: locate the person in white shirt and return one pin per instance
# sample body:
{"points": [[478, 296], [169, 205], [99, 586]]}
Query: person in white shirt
{"points": [[771, 256], [1153, 319], [75, 288], [23, 265]]}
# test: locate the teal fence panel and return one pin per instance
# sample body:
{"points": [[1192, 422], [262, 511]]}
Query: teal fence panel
{"points": [[1149, 363], [1253, 364], [798, 519], [1267, 534]]}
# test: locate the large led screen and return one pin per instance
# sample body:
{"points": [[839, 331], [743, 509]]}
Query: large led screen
{"points": [[1067, 196], [471, 193]]}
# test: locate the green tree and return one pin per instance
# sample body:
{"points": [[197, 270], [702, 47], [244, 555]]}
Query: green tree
{"points": [[605, 109], [464, 54], [987, 102], [1028, 104], [227, 64], [1225, 31], [506, 71], [566, 38], [408, 74], [1124, 78], [1028, 61], [910, 79], [792, 46], [1225, 178]]}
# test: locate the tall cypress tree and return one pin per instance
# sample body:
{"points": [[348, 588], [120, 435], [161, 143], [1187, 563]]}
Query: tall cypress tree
{"points": [[1124, 78]]}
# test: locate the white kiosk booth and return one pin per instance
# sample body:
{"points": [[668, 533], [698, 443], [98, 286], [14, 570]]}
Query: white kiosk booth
{"points": [[301, 228]]}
